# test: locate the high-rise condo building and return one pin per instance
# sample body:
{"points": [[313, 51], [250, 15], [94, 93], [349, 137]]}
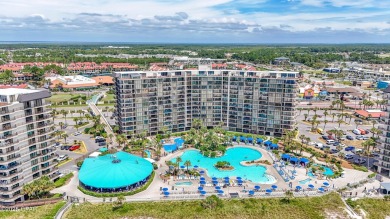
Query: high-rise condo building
{"points": [[26, 151], [384, 159], [243, 101]]}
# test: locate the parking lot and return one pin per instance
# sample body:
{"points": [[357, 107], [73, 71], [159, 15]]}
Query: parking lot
{"points": [[304, 128], [87, 139]]}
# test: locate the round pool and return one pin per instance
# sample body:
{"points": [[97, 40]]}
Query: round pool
{"points": [[234, 156], [119, 171]]}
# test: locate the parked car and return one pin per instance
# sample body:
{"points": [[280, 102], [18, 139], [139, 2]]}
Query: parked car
{"points": [[367, 131], [375, 154], [312, 143], [325, 137], [359, 161], [100, 140], [333, 151], [359, 137], [342, 138], [330, 141], [62, 157], [336, 143], [357, 150], [362, 131], [366, 137], [325, 147], [319, 145], [349, 137], [348, 156], [77, 133], [102, 143], [349, 148], [74, 147], [356, 132]]}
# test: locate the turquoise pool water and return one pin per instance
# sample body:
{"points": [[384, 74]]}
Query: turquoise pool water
{"points": [[170, 147], [234, 156], [148, 154], [183, 184], [305, 181], [327, 171]]}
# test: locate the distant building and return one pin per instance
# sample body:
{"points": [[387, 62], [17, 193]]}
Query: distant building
{"points": [[341, 90], [332, 70], [79, 82], [281, 61], [369, 114]]}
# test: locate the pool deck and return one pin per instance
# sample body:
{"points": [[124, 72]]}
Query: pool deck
{"points": [[153, 192]]}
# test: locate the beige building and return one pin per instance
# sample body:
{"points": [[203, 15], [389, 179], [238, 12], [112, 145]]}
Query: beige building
{"points": [[26, 151], [384, 160], [244, 101]]}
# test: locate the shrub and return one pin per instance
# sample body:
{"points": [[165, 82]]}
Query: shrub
{"points": [[116, 194], [61, 181], [372, 175], [212, 202], [360, 168]]}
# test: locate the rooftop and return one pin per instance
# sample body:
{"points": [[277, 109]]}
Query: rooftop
{"points": [[14, 91]]}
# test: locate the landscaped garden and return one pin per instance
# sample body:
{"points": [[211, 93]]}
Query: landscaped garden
{"points": [[42, 212], [212, 207]]}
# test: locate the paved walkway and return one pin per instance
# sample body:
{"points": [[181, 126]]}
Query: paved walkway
{"points": [[103, 120]]}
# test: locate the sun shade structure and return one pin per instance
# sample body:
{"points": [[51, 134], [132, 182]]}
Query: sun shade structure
{"points": [[285, 157], [294, 160], [114, 172], [259, 140], [267, 143], [304, 161]]}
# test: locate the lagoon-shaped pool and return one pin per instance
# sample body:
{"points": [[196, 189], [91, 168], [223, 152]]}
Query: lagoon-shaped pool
{"points": [[234, 156]]}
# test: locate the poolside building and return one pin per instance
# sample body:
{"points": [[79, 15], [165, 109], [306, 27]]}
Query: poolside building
{"points": [[258, 102], [383, 163], [26, 151], [114, 172]]}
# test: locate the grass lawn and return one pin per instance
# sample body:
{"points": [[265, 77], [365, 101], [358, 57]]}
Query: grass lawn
{"points": [[316, 207], [375, 208], [63, 97], [41, 212], [108, 97]]}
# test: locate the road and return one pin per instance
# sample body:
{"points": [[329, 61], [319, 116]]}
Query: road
{"points": [[103, 120]]}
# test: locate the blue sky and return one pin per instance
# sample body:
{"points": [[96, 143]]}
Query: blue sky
{"points": [[197, 21]]}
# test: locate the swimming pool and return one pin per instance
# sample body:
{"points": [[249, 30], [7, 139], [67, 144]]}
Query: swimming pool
{"points": [[148, 154], [305, 181], [170, 147], [327, 171], [183, 184], [234, 156]]}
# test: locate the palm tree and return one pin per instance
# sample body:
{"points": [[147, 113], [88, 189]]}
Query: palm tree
{"points": [[80, 112], [340, 121], [333, 115], [61, 124], [325, 121], [187, 164], [53, 114], [325, 114], [106, 109], [289, 194], [178, 160], [76, 124], [305, 115], [64, 113], [64, 135]]}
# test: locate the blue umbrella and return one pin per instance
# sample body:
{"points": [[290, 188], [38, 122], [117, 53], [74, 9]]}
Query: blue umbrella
{"points": [[217, 188], [238, 178], [298, 187], [200, 188], [321, 189], [274, 186], [166, 193], [214, 178], [215, 182], [201, 172], [251, 192], [203, 192], [182, 167], [257, 187], [220, 191], [165, 189], [325, 184], [311, 186], [202, 182], [268, 191], [226, 178], [202, 178], [195, 167]]}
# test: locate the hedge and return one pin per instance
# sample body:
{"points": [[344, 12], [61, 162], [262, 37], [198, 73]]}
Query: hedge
{"points": [[116, 194], [61, 181]]}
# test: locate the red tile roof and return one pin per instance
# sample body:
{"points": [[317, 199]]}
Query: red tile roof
{"points": [[364, 113], [4, 86]]}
